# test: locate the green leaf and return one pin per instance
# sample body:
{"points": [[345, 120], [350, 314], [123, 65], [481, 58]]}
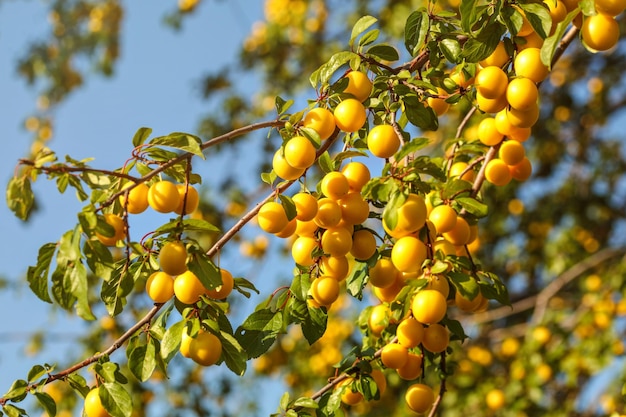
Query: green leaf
{"points": [[384, 52], [47, 403], [314, 324], [334, 63], [550, 45], [356, 281], [361, 26], [116, 400], [17, 392], [13, 411], [325, 163], [456, 328], [473, 206], [539, 18], [492, 287], [288, 205], [418, 114], [189, 225], [141, 135], [300, 286], [456, 187], [411, 147], [115, 290], [233, 354], [451, 49], [334, 403], [415, 30], [305, 402], [37, 276], [99, 259], [468, 14], [259, 331], [369, 37], [206, 271], [281, 105], [183, 141], [482, 45], [142, 360], [36, 372], [20, 197], [465, 284], [284, 401], [243, 285], [171, 340]]}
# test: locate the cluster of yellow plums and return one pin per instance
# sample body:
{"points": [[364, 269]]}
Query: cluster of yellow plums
{"points": [[513, 97], [331, 231], [174, 279]]}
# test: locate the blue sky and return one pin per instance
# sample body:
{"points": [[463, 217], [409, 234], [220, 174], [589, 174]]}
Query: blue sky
{"points": [[153, 87]]}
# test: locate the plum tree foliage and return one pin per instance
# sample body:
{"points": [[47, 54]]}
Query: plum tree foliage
{"points": [[455, 240]]}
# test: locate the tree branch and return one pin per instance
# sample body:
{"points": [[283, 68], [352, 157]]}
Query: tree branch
{"points": [[116, 345]]}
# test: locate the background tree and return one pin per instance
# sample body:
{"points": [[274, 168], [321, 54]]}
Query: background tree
{"points": [[555, 240]]}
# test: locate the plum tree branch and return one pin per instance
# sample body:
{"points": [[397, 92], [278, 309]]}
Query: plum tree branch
{"points": [[92, 359], [540, 300], [211, 142]]}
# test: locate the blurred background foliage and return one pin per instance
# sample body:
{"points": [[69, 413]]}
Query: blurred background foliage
{"points": [[557, 240]]}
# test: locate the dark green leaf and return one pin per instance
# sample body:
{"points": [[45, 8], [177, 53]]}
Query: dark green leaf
{"points": [[314, 324], [116, 400], [37, 275], [465, 284], [242, 285], [356, 281], [539, 18], [456, 187], [300, 286], [481, 46], [456, 328], [259, 331], [183, 141], [415, 30], [361, 26], [384, 52], [47, 403], [206, 271], [492, 287], [233, 354], [282, 105], [418, 114], [288, 205], [20, 197]]}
